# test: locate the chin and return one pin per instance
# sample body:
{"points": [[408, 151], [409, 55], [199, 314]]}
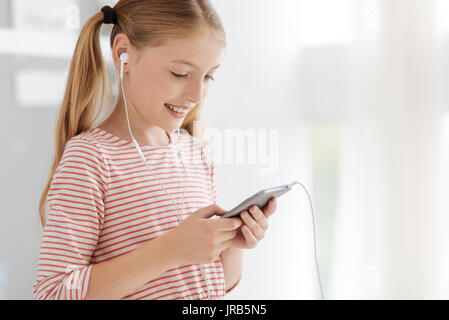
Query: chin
{"points": [[171, 128]]}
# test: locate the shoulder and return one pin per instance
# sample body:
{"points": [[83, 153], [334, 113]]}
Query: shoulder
{"points": [[85, 152], [81, 178], [83, 145]]}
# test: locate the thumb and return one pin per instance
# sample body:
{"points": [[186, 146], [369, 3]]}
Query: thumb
{"points": [[209, 211], [220, 211]]}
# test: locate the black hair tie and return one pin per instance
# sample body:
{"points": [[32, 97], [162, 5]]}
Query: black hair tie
{"points": [[109, 15]]}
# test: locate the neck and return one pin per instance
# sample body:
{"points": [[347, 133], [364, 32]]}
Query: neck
{"points": [[143, 132]]}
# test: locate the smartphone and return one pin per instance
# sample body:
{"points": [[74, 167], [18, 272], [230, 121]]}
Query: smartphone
{"points": [[259, 199]]}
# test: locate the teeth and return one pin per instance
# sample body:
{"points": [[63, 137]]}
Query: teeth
{"points": [[175, 109]]}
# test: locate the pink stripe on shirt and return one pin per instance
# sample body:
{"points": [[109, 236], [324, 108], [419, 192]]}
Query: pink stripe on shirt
{"points": [[104, 202]]}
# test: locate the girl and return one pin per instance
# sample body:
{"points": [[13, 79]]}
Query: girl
{"points": [[115, 223]]}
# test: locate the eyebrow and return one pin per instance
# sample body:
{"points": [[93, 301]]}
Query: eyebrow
{"points": [[192, 64]]}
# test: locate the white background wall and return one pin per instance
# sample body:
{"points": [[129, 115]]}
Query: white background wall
{"points": [[355, 91]]}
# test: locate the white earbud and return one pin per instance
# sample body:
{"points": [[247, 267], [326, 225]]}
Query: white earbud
{"points": [[123, 59]]}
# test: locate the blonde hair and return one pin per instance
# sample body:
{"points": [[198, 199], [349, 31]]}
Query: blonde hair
{"points": [[147, 23]]}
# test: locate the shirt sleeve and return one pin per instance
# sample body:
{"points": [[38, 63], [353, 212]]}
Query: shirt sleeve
{"points": [[75, 204]]}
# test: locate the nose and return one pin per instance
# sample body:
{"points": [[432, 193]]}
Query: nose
{"points": [[195, 92]]}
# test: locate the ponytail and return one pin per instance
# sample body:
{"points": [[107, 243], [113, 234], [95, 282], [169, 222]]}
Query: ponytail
{"points": [[147, 23], [85, 85]]}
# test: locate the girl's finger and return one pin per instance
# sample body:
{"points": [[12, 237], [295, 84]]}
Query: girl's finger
{"points": [[256, 230], [250, 238], [227, 235], [270, 207], [259, 216]]}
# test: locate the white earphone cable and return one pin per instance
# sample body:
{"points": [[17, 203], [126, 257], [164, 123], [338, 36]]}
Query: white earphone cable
{"points": [[314, 236], [144, 160], [178, 214]]}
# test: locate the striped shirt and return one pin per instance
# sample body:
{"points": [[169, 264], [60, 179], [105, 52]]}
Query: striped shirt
{"points": [[104, 202]]}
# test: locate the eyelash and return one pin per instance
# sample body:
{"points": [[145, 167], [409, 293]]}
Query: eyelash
{"points": [[183, 75]]}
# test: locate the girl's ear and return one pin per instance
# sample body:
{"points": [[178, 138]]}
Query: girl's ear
{"points": [[121, 45]]}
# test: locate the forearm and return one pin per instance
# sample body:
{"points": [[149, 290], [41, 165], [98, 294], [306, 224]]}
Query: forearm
{"points": [[115, 278], [232, 261]]}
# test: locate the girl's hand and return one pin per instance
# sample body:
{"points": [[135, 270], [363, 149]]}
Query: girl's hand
{"points": [[255, 223], [199, 239]]}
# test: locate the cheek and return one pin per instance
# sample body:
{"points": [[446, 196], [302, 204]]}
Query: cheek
{"points": [[169, 89], [153, 91]]}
